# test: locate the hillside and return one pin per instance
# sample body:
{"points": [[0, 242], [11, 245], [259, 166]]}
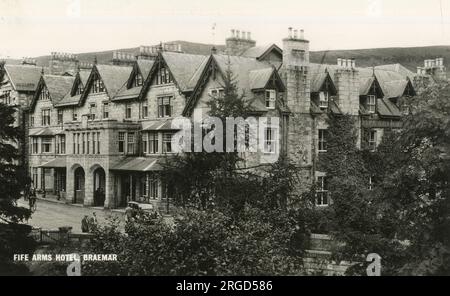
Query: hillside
{"points": [[410, 57]]}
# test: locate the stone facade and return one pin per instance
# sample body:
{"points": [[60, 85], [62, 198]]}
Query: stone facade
{"points": [[110, 155]]}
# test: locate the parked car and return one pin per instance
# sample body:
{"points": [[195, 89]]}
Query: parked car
{"points": [[134, 207]]}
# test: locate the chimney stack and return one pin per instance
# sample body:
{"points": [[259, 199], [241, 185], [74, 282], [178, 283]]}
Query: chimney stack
{"points": [[239, 42]]}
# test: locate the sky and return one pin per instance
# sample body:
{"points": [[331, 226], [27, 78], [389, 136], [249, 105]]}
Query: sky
{"points": [[31, 28]]}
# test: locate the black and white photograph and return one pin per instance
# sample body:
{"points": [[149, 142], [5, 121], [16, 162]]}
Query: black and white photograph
{"points": [[217, 139]]}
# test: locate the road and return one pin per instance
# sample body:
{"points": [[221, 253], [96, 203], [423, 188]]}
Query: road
{"points": [[51, 215]]}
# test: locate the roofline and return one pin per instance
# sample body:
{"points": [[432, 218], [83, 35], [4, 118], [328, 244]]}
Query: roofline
{"points": [[269, 49], [148, 80]]}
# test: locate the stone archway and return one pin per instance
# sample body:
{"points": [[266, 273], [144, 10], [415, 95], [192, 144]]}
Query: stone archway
{"points": [[79, 185], [99, 189]]}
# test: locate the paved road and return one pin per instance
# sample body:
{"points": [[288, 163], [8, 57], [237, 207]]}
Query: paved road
{"points": [[51, 215]]}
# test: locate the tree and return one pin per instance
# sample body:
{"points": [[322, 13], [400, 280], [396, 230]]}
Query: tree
{"points": [[13, 180], [405, 218], [200, 243]]}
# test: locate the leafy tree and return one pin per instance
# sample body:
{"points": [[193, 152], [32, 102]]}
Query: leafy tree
{"points": [[201, 243], [405, 218], [13, 180]]}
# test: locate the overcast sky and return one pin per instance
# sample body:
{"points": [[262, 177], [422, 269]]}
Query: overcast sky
{"points": [[32, 28]]}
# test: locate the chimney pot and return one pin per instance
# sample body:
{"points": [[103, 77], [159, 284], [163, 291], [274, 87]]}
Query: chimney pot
{"points": [[302, 34], [179, 47], [290, 32], [295, 34], [238, 34], [339, 62], [249, 36], [233, 33]]}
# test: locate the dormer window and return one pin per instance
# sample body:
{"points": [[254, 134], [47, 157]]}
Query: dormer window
{"points": [[371, 103], [271, 96], [138, 80], [163, 76], [97, 85], [44, 94], [80, 89], [323, 99]]}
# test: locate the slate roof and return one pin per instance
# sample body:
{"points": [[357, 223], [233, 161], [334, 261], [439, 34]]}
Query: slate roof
{"points": [[392, 83], [127, 94], [58, 86], [42, 132], [183, 66], [24, 77], [114, 77], [69, 100], [59, 162], [165, 124], [259, 78], [241, 68], [145, 66], [258, 51], [318, 76], [139, 164], [386, 108]]}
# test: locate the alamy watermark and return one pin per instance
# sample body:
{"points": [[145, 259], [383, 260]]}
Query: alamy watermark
{"points": [[212, 134]]}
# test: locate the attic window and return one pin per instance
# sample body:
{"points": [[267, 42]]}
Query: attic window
{"points": [[97, 85], [79, 89], [44, 94], [371, 103], [271, 95], [138, 80], [323, 99], [163, 76]]}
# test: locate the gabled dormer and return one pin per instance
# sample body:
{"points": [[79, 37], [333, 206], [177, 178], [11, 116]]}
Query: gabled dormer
{"points": [[107, 80], [52, 88], [173, 68], [323, 89], [258, 82], [369, 93]]}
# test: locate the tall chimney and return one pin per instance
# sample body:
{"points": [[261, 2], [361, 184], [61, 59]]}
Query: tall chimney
{"points": [[239, 44]]}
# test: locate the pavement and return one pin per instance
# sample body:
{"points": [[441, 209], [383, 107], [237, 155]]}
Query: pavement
{"points": [[51, 214]]}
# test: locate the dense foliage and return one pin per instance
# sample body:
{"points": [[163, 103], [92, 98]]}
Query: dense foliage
{"points": [[405, 217], [13, 235], [202, 243]]}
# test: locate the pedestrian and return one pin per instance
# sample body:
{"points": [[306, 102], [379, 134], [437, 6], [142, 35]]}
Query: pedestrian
{"points": [[85, 224]]}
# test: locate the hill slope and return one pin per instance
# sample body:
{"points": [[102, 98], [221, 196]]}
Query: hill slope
{"points": [[410, 57]]}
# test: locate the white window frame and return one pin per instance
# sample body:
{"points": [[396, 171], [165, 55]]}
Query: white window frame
{"points": [[324, 98], [270, 140], [270, 98], [322, 196], [131, 142], [165, 141], [322, 139], [46, 142], [371, 103], [121, 139]]}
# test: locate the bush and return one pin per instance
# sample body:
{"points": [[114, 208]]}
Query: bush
{"points": [[202, 243]]}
